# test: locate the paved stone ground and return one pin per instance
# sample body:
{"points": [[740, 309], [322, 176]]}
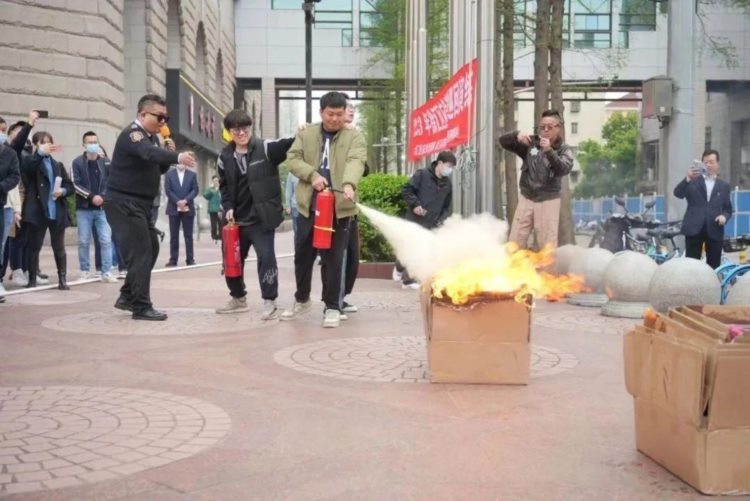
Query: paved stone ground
{"points": [[96, 406]]}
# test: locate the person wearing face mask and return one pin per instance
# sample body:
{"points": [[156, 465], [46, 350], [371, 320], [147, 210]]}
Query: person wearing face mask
{"points": [[90, 172], [47, 185], [546, 160], [138, 163], [428, 195], [709, 207], [181, 188]]}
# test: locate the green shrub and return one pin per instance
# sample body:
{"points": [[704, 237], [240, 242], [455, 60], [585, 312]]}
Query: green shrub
{"points": [[381, 192], [70, 200]]}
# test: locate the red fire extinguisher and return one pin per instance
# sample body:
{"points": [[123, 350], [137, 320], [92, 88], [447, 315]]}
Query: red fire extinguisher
{"points": [[232, 260], [323, 228]]}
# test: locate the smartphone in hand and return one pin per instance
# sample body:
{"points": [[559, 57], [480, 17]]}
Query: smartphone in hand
{"points": [[700, 166], [43, 113]]}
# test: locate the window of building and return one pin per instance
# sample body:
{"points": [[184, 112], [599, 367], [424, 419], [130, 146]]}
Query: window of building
{"points": [[575, 106], [286, 4], [593, 23], [334, 14], [525, 22], [370, 20], [709, 133], [219, 79], [200, 58], [636, 15], [574, 127]]}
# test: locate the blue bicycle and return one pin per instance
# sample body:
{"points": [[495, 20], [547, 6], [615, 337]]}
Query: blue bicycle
{"points": [[729, 272]]}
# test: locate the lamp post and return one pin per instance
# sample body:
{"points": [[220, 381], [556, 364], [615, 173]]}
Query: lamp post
{"points": [[309, 7]]}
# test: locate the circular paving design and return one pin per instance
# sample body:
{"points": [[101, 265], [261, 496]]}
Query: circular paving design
{"points": [[52, 298], [391, 359], [62, 436], [582, 319], [181, 321]]}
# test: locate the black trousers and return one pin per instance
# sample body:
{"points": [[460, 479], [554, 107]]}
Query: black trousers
{"points": [[351, 266], [186, 220], [35, 236], [132, 226], [332, 261], [694, 247], [268, 272], [215, 225]]}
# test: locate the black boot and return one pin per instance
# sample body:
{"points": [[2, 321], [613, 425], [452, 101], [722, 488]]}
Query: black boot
{"points": [[33, 268], [62, 268]]}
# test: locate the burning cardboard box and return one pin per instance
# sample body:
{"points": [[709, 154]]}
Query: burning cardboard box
{"points": [[477, 317], [688, 372]]}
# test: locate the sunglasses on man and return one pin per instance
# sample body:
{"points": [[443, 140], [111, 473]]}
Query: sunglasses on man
{"points": [[162, 119]]}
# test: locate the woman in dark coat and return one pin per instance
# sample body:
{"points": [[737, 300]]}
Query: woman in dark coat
{"points": [[47, 185]]}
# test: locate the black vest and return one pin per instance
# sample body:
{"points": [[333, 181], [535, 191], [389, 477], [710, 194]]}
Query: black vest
{"points": [[263, 180]]}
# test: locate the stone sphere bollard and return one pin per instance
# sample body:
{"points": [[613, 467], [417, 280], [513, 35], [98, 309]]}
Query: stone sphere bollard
{"points": [[565, 256], [592, 263], [683, 281], [739, 292], [626, 283], [628, 276]]}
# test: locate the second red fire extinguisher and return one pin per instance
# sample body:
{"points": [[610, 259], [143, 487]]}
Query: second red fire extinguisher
{"points": [[323, 229], [232, 258]]}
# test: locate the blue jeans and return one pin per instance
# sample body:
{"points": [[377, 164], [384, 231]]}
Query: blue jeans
{"points": [[87, 219]]}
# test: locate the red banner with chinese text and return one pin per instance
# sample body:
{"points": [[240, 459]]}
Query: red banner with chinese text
{"points": [[446, 120]]}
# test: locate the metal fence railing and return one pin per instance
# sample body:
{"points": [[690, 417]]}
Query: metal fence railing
{"points": [[598, 209]]}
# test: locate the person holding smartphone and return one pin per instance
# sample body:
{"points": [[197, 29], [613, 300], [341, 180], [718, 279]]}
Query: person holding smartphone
{"points": [[546, 160], [709, 207]]}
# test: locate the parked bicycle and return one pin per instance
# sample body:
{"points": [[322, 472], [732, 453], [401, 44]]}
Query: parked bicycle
{"points": [[615, 233], [728, 273]]}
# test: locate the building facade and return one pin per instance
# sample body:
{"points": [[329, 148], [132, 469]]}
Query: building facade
{"points": [[88, 62]]}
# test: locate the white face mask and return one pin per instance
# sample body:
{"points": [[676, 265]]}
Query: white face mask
{"points": [[447, 170]]}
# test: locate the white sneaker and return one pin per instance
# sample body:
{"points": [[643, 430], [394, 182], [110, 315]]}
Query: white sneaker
{"points": [[296, 310], [2, 289], [85, 275], [270, 311], [344, 316], [235, 305], [349, 308], [396, 276], [331, 319], [20, 279], [109, 278], [41, 281], [122, 274], [414, 286], [98, 274]]}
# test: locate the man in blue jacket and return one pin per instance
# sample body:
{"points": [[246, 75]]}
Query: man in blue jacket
{"points": [[90, 173], [181, 188], [709, 207]]}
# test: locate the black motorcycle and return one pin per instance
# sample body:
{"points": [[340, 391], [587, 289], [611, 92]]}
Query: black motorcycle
{"points": [[615, 233]]}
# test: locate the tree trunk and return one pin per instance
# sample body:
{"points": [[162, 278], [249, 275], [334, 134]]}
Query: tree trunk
{"points": [[566, 233], [541, 59], [509, 119], [498, 104]]}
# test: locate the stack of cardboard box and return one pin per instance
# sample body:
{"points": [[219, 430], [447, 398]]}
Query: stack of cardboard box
{"points": [[486, 341], [691, 385]]}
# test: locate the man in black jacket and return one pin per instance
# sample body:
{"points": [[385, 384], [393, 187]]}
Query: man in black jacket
{"points": [[90, 172], [137, 165], [546, 160], [428, 194], [709, 207], [251, 198]]}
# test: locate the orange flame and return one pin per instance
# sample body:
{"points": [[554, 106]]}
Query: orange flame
{"points": [[517, 273]]}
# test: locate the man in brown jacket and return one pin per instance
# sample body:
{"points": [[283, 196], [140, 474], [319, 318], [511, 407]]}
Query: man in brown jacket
{"points": [[325, 155]]}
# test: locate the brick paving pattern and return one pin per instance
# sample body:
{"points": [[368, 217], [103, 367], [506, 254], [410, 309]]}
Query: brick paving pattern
{"points": [[52, 298], [182, 321], [61, 436], [582, 319], [391, 359]]}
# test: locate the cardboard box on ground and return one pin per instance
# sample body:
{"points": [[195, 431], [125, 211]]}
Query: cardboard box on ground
{"points": [[486, 341], [692, 402]]}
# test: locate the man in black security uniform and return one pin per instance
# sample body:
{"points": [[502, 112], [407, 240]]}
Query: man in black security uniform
{"points": [[137, 165], [251, 197]]}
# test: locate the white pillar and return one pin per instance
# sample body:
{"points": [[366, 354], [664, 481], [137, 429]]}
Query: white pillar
{"points": [[680, 132], [487, 192]]}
